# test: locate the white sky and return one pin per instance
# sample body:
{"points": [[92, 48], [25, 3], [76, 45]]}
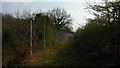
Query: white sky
{"points": [[76, 8], [49, 0]]}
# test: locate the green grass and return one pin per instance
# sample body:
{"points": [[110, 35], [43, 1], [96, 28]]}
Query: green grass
{"points": [[49, 55]]}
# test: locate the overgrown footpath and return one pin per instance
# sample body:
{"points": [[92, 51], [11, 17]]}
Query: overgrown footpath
{"points": [[51, 55], [66, 54]]}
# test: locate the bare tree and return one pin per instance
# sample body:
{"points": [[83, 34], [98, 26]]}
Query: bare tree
{"points": [[18, 14], [60, 18], [26, 14]]}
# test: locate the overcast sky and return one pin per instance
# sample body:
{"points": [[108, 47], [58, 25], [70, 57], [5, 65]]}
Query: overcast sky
{"points": [[74, 7]]}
